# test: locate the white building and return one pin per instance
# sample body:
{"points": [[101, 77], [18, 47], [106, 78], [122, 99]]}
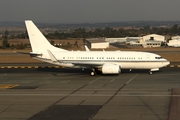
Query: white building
{"points": [[154, 37], [97, 43], [132, 39], [134, 43], [146, 44], [174, 43], [151, 43], [114, 40], [175, 37]]}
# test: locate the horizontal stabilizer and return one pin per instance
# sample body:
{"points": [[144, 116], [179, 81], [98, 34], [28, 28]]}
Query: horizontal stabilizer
{"points": [[87, 49], [30, 53], [53, 58]]}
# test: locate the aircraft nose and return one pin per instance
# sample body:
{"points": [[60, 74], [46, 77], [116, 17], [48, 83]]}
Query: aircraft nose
{"points": [[166, 63]]}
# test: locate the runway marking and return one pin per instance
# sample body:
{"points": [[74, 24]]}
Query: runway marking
{"points": [[81, 102], [8, 86], [3, 74], [112, 80], [115, 94], [171, 65], [15, 66], [73, 92], [49, 66], [29, 67], [94, 92], [87, 95], [56, 66], [95, 80], [64, 81], [131, 79], [27, 81], [168, 74], [104, 85], [36, 66], [6, 108]]}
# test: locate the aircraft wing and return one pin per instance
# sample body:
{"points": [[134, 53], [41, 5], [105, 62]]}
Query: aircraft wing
{"points": [[87, 65], [79, 63]]}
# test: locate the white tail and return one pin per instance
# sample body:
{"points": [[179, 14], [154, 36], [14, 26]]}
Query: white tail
{"points": [[38, 41]]}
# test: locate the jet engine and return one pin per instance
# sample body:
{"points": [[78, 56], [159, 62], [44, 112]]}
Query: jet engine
{"points": [[111, 69]]}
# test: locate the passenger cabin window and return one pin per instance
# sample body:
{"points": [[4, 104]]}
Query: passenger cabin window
{"points": [[158, 58]]}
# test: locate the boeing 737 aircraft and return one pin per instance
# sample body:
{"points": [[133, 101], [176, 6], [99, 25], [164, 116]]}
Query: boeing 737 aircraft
{"points": [[108, 62]]}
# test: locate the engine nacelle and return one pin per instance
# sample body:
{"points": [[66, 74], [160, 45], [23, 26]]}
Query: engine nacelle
{"points": [[111, 69]]}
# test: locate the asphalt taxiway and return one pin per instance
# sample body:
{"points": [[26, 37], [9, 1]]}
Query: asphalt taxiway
{"points": [[51, 93]]}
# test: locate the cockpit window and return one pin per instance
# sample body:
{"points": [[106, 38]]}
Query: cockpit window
{"points": [[158, 57]]}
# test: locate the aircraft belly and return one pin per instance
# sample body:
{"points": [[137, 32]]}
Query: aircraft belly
{"points": [[141, 65]]}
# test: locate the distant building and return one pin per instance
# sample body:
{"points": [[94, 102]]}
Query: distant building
{"points": [[132, 39], [146, 44], [134, 43], [97, 43], [114, 40], [175, 37], [154, 37], [174, 43], [151, 43]]}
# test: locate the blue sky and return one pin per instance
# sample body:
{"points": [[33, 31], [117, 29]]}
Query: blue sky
{"points": [[80, 11]]}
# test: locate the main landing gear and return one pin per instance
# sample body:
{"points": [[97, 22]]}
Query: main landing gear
{"points": [[93, 72], [150, 72]]}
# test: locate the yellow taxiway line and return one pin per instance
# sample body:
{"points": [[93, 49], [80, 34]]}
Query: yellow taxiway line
{"points": [[8, 86]]}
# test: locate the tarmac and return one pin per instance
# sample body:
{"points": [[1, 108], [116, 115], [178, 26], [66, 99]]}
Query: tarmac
{"points": [[63, 94]]}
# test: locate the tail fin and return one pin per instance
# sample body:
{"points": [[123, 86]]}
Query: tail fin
{"points": [[38, 41]]}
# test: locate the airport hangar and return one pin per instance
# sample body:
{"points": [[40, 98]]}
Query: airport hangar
{"points": [[175, 40], [96, 43], [152, 40]]}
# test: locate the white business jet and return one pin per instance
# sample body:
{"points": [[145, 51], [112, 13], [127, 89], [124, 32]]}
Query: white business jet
{"points": [[108, 62]]}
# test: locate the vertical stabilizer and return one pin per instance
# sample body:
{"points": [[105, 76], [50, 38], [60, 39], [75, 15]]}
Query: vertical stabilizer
{"points": [[38, 41]]}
